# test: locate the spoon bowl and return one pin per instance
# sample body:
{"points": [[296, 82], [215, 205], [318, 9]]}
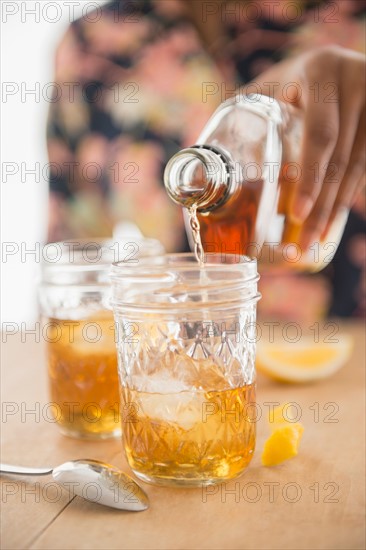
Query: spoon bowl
{"points": [[92, 480]]}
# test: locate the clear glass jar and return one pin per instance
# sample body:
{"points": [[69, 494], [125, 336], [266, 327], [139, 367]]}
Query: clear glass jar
{"points": [[240, 177], [186, 358], [78, 328]]}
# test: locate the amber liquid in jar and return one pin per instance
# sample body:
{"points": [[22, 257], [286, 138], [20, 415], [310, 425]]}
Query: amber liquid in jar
{"points": [[83, 375], [191, 437]]}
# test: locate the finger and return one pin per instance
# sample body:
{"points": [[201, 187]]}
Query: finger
{"points": [[354, 177], [321, 128], [349, 127]]}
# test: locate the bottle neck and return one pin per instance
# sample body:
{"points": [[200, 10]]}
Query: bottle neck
{"points": [[200, 175]]}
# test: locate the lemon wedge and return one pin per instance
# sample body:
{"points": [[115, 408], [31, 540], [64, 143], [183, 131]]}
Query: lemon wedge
{"points": [[282, 444], [284, 441], [303, 361]]}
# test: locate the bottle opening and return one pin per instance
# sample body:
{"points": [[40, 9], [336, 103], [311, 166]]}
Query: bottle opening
{"points": [[193, 175], [197, 176]]}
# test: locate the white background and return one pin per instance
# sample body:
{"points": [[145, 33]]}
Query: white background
{"points": [[28, 45]]}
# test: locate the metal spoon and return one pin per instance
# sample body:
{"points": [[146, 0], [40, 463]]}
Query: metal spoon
{"points": [[93, 480]]}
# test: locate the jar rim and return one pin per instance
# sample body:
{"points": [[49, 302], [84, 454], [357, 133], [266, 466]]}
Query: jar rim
{"points": [[96, 253], [176, 282], [187, 260]]}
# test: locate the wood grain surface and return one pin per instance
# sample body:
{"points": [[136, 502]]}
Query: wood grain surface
{"points": [[315, 500]]}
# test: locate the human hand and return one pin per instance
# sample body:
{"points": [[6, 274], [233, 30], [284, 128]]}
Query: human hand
{"points": [[329, 88]]}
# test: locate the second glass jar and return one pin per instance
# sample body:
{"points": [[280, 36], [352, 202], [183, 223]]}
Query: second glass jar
{"points": [[78, 330]]}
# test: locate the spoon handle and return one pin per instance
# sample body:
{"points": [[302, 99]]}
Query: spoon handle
{"points": [[20, 470]]}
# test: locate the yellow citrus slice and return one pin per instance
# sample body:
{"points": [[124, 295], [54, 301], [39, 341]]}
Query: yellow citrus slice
{"points": [[282, 444], [303, 361]]}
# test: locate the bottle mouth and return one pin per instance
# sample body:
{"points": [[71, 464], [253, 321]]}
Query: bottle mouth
{"points": [[197, 175]]}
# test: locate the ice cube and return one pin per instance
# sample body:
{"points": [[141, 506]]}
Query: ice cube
{"points": [[184, 409], [185, 369], [206, 374], [159, 382], [176, 392], [94, 336], [164, 398]]}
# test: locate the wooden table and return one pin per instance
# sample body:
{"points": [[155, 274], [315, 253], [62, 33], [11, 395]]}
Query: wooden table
{"points": [[313, 501]]}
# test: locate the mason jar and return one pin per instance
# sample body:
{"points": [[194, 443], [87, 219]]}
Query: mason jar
{"points": [[78, 330], [186, 360]]}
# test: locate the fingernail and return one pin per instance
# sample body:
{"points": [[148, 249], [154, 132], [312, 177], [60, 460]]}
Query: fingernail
{"points": [[301, 208]]}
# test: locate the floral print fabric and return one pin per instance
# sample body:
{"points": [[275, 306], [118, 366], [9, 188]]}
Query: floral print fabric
{"points": [[137, 84]]}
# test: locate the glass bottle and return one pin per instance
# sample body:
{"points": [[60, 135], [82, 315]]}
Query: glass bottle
{"points": [[239, 178]]}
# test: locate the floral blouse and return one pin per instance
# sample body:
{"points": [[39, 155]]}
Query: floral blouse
{"points": [[135, 84]]}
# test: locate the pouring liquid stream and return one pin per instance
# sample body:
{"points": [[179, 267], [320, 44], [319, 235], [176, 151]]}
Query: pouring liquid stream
{"points": [[196, 234], [199, 252]]}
